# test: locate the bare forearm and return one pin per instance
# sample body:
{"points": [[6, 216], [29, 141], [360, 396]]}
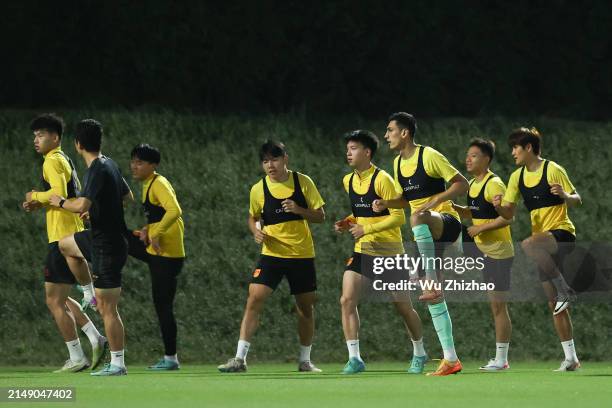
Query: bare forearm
{"points": [[464, 211], [315, 216], [497, 223], [573, 200], [398, 202], [505, 211], [80, 205]]}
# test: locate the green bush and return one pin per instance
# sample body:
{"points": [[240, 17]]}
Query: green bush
{"points": [[212, 163]]}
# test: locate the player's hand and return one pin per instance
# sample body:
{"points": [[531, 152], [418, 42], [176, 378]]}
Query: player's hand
{"points": [[356, 230], [84, 216], [144, 236], [259, 236], [155, 245], [497, 200], [557, 190], [474, 230], [28, 196], [30, 206], [289, 206], [341, 226], [379, 205], [54, 200]]}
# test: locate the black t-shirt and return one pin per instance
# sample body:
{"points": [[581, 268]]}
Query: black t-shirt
{"points": [[105, 187]]}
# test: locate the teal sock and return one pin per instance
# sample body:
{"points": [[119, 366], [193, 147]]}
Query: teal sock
{"points": [[444, 328], [425, 243]]}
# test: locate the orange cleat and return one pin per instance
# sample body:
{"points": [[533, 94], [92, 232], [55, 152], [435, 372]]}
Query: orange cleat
{"points": [[447, 368], [430, 295]]}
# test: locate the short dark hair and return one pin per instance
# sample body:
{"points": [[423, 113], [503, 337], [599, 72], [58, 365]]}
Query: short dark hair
{"points": [[49, 122], [524, 136], [368, 139], [271, 149], [146, 152], [89, 134], [405, 121], [487, 147]]}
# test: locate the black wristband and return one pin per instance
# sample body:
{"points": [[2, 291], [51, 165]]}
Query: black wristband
{"points": [[61, 203]]}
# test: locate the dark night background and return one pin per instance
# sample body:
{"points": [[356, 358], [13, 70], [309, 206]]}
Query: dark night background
{"points": [[435, 58]]}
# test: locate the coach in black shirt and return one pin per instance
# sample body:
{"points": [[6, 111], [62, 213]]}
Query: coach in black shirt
{"points": [[103, 195]]}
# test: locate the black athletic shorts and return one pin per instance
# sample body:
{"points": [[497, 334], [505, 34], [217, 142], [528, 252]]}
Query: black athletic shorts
{"points": [[108, 255], [162, 264], [497, 271], [374, 268], [56, 268], [566, 243], [451, 229], [300, 272]]}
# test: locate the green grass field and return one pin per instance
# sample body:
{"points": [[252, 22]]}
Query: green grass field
{"points": [[278, 385]]}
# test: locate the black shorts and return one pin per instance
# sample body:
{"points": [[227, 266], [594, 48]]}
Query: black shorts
{"points": [[56, 268], [451, 228], [566, 243], [136, 248], [374, 268], [300, 272], [107, 254], [497, 272]]}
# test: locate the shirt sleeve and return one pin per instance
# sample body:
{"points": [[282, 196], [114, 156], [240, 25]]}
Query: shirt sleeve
{"points": [[385, 188], [256, 199], [494, 187], [512, 194], [95, 183], [396, 184], [558, 175], [313, 198], [163, 193], [53, 173], [437, 165]]}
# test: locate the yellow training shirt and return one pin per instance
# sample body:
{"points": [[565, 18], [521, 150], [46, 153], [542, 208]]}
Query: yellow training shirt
{"points": [[382, 234], [291, 239], [171, 228], [547, 218], [437, 166], [57, 172], [495, 243]]}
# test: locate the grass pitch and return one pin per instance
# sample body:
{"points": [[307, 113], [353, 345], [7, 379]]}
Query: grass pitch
{"points": [[279, 385]]}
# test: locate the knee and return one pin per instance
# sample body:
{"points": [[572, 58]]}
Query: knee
{"points": [[418, 219], [527, 246], [64, 246], [55, 304], [255, 302], [498, 308], [347, 302], [305, 310]]}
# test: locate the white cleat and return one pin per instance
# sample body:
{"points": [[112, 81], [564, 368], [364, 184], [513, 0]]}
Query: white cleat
{"points": [[74, 366], [569, 365], [307, 366], [493, 366]]}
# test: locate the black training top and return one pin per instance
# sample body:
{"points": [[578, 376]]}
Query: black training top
{"points": [[420, 184], [362, 204], [273, 212], [538, 196], [105, 187], [154, 213], [480, 208]]}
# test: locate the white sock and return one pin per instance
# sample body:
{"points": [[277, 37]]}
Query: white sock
{"points": [[305, 353], [501, 352], [418, 349], [353, 349], [450, 355], [570, 350], [242, 349], [91, 332], [117, 358], [75, 350], [88, 291], [173, 358]]}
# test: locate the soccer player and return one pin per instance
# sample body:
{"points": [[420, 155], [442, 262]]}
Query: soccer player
{"points": [[284, 201], [547, 193], [376, 235], [60, 177], [490, 232], [420, 174], [102, 197], [163, 237]]}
